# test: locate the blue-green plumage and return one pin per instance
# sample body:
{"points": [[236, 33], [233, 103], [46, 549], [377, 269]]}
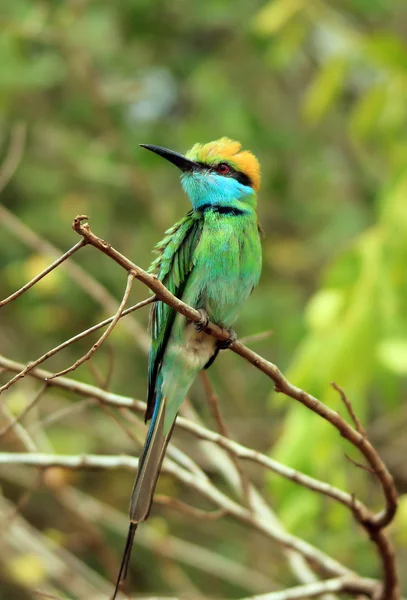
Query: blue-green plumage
{"points": [[211, 259]]}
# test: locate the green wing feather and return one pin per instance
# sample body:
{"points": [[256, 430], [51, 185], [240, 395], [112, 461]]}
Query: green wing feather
{"points": [[173, 267]]}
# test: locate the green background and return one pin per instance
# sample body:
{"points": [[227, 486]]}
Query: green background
{"points": [[317, 90]]}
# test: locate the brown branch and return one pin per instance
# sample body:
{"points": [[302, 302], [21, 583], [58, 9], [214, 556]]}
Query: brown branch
{"points": [[26, 370], [47, 595], [241, 452], [14, 154], [359, 465], [82, 278], [38, 277], [203, 559], [347, 584], [201, 485], [105, 335], [223, 430], [350, 409], [192, 511], [29, 406], [256, 337], [371, 522], [271, 370]]}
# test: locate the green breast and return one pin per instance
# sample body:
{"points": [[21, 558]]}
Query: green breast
{"points": [[227, 264]]}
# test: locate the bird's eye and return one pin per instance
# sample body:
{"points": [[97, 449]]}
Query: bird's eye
{"points": [[223, 168]]}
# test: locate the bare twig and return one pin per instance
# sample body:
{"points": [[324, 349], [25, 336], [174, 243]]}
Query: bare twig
{"points": [[85, 280], [61, 414], [77, 337], [29, 406], [374, 524], [14, 154], [215, 408], [358, 509], [350, 409], [240, 451], [25, 498], [47, 595], [43, 273], [105, 335], [203, 486], [359, 465], [19, 431], [204, 559], [347, 584], [256, 337], [271, 370], [60, 565], [192, 511]]}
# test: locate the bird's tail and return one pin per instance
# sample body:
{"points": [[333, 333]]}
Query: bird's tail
{"points": [[146, 480]]}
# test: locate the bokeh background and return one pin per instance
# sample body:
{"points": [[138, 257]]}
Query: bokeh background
{"points": [[317, 90]]}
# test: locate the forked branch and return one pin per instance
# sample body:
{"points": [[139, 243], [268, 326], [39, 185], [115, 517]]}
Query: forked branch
{"points": [[373, 524]]}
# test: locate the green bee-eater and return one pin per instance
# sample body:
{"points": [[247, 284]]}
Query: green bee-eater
{"points": [[211, 259]]}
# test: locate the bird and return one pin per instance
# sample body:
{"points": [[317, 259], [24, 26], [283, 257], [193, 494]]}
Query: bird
{"points": [[211, 259]]}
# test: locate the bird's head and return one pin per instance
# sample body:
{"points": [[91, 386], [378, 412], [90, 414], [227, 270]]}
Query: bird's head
{"points": [[219, 173]]}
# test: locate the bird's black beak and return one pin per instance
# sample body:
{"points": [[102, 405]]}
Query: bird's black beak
{"points": [[179, 160]]}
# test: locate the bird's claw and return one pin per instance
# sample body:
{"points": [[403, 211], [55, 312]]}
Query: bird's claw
{"points": [[224, 345], [203, 321]]}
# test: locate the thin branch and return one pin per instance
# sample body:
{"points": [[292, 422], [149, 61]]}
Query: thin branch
{"points": [[371, 522], [115, 400], [14, 154], [201, 558], [105, 335], [25, 498], [43, 273], [359, 465], [271, 370], [85, 280], [349, 585], [240, 451], [357, 508], [223, 430], [19, 431], [256, 337], [220, 460], [206, 489], [29, 406], [26, 370], [61, 414], [350, 409], [192, 511], [47, 595], [60, 565]]}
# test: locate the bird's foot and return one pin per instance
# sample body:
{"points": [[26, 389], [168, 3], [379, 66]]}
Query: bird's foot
{"points": [[224, 345], [203, 321]]}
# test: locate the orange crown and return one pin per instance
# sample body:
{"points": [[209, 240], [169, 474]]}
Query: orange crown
{"points": [[227, 150]]}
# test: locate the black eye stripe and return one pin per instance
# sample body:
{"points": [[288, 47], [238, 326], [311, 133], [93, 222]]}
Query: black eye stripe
{"points": [[242, 178], [238, 175]]}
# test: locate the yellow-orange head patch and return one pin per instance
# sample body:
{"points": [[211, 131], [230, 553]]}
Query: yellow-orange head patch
{"points": [[227, 150]]}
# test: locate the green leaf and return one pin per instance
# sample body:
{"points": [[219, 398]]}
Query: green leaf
{"points": [[387, 51], [367, 111], [392, 353], [323, 309], [324, 89], [275, 15]]}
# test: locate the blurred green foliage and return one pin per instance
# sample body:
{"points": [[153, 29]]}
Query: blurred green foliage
{"points": [[317, 89]]}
